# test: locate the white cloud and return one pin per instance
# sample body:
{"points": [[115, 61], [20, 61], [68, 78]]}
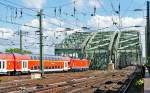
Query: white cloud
{"points": [[8, 39], [100, 21], [55, 21], [106, 21], [34, 23], [87, 3], [130, 21], [6, 33], [49, 31], [94, 3], [34, 3], [79, 3]]}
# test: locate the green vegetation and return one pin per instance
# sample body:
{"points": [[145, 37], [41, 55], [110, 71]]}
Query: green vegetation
{"points": [[17, 50], [139, 83]]}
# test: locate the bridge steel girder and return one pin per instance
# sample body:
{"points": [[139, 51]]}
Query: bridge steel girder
{"points": [[128, 49], [102, 47]]}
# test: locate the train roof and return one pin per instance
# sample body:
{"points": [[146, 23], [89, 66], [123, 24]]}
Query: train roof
{"points": [[31, 56], [10, 56], [50, 57]]}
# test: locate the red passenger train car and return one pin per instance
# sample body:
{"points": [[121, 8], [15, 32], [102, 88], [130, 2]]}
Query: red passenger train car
{"points": [[16, 63]]}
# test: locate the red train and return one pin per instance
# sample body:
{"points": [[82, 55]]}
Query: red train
{"points": [[16, 63]]}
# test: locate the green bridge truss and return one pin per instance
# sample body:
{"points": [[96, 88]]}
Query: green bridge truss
{"points": [[122, 48]]}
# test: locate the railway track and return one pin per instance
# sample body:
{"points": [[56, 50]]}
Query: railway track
{"points": [[71, 84], [25, 84], [83, 87]]}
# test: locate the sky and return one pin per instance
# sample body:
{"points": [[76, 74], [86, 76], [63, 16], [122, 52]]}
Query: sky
{"points": [[59, 14]]}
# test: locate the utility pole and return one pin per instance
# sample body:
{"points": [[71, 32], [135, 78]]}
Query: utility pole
{"points": [[119, 13], [20, 41], [41, 41], [147, 34]]}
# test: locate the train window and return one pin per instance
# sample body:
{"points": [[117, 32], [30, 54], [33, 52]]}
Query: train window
{"points": [[38, 58], [55, 66], [46, 67], [34, 58], [65, 64], [35, 67], [52, 58], [49, 67], [31, 68], [23, 64], [46, 58], [56, 58], [52, 67]]}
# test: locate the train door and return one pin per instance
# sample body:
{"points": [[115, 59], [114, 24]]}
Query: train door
{"points": [[65, 65], [3, 66], [24, 65]]}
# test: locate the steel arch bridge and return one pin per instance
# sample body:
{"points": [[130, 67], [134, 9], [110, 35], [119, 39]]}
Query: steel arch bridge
{"points": [[122, 48]]}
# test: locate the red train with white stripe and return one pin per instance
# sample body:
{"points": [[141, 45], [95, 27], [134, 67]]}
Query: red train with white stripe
{"points": [[16, 63]]}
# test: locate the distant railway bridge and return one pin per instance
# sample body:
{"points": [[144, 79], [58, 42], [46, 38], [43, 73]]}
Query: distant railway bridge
{"points": [[122, 48]]}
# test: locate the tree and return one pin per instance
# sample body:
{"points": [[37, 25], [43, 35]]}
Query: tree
{"points": [[17, 50]]}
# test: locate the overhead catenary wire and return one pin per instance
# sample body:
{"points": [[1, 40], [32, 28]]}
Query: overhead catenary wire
{"points": [[43, 14], [47, 16], [31, 15], [15, 8]]}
